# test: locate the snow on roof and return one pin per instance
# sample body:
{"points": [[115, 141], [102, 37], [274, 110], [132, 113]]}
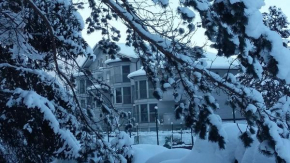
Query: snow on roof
{"points": [[217, 62], [112, 60], [95, 86], [139, 72], [78, 74], [213, 62], [81, 60], [126, 51]]}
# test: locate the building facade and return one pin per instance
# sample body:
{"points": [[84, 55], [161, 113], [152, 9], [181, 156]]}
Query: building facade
{"points": [[132, 92]]}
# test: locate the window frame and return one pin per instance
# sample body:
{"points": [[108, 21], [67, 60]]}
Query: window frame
{"points": [[143, 90], [150, 93], [117, 74], [143, 120], [116, 95], [81, 102], [136, 90], [152, 113], [130, 95], [122, 73], [149, 90], [139, 115], [82, 88], [122, 95], [136, 113]]}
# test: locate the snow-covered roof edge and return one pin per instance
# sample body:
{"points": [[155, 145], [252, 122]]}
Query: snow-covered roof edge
{"points": [[108, 61], [139, 72]]}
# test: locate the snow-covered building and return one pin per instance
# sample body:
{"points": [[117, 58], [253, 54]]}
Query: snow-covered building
{"points": [[132, 91]]}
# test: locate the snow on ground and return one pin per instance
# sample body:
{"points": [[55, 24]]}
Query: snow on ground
{"points": [[150, 137], [169, 154], [204, 151], [142, 152]]}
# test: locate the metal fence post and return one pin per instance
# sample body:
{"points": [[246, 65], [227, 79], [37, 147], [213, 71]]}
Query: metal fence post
{"points": [[156, 119]]}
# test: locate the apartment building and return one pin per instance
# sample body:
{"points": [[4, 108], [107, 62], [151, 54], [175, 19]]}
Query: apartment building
{"points": [[133, 92]]}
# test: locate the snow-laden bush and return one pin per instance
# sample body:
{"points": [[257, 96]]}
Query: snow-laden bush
{"points": [[122, 145]]}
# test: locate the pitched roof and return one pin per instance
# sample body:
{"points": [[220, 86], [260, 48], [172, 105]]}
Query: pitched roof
{"points": [[213, 61]]}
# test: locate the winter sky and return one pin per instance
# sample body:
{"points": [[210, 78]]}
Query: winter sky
{"points": [[198, 39]]}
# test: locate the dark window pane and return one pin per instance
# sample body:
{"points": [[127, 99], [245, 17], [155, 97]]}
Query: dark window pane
{"points": [[143, 89], [136, 113], [127, 95], [132, 93], [89, 102], [125, 73], [88, 83], [98, 104], [144, 113], [108, 74], [136, 90], [118, 95], [101, 63], [152, 112], [82, 86], [151, 89], [100, 77], [83, 103], [117, 74]]}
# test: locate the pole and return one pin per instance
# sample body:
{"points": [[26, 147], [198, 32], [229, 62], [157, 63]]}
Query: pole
{"points": [[171, 134], [137, 137], [137, 130], [172, 130], [156, 121], [191, 136], [181, 134], [234, 115], [108, 133]]}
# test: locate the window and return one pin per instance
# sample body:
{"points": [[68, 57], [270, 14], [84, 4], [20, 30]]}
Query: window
{"points": [[143, 89], [88, 83], [123, 95], [89, 102], [126, 95], [121, 73], [144, 113], [132, 93], [108, 76], [82, 86], [118, 95], [125, 73], [83, 103], [152, 112], [136, 113], [101, 63], [150, 89], [100, 77], [98, 104], [117, 74], [136, 91]]}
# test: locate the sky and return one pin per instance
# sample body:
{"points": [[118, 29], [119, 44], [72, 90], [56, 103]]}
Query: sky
{"points": [[198, 39]]}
